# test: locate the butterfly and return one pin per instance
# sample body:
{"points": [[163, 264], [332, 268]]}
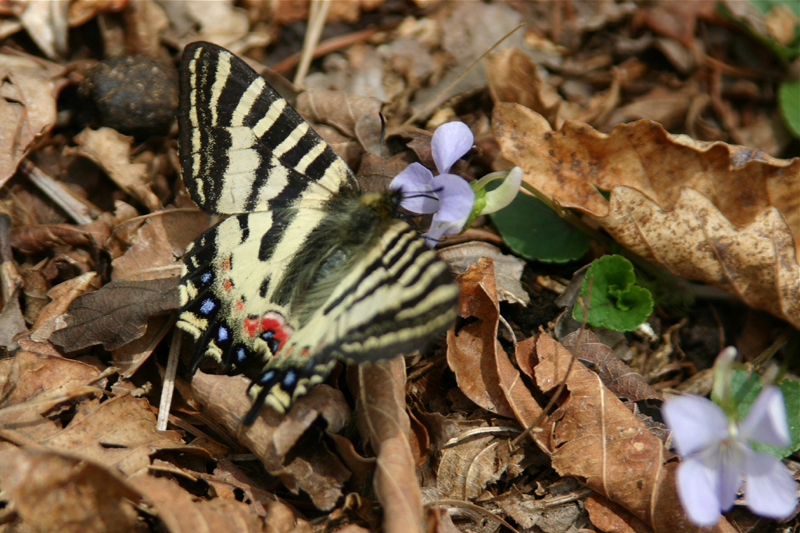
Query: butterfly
{"points": [[306, 270]]}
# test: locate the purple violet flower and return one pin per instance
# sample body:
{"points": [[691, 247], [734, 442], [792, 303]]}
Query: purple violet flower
{"points": [[446, 195], [716, 455]]}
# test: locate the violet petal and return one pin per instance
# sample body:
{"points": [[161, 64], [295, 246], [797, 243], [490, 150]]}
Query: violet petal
{"points": [[770, 490], [415, 183], [766, 421], [696, 423], [450, 141], [697, 485], [455, 195]]}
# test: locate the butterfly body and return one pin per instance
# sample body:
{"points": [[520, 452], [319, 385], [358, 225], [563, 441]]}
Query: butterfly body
{"points": [[307, 270]]}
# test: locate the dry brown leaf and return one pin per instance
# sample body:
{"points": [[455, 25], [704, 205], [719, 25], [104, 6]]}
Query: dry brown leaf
{"points": [[82, 11], [318, 472], [180, 512], [722, 214], [507, 268], [12, 321], [46, 23], [526, 408], [353, 115], [129, 357], [116, 314], [466, 468], [28, 91], [159, 244], [616, 375], [610, 517], [110, 150], [120, 432], [471, 351], [53, 491], [595, 438], [219, 22], [34, 239], [514, 77], [62, 295], [32, 384], [385, 425]]}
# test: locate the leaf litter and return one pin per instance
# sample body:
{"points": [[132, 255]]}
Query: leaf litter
{"points": [[642, 123]]}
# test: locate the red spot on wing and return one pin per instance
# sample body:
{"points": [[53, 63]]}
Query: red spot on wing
{"points": [[250, 326], [271, 321], [227, 285], [239, 305]]}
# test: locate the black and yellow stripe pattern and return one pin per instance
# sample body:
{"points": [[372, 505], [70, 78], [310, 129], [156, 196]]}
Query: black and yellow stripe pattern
{"points": [[307, 270]]}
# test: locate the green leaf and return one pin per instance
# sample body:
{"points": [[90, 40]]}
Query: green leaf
{"points": [[745, 387], [533, 231], [786, 53], [789, 103], [615, 302]]}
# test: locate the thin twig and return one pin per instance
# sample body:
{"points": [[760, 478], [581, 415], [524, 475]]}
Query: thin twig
{"points": [[437, 99], [317, 16]]}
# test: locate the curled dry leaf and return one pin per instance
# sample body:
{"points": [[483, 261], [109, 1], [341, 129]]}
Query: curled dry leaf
{"points": [[725, 215], [120, 432], [385, 424], [110, 150], [55, 491], [180, 511], [62, 295], [616, 375], [514, 77], [471, 350], [507, 268], [316, 471], [466, 468], [595, 438], [355, 116], [159, 244], [35, 239], [116, 314], [28, 91], [82, 11], [32, 384], [129, 357]]}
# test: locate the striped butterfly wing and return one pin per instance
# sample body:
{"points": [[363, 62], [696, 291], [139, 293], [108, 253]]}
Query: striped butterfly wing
{"points": [[392, 299], [307, 270], [242, 147]]}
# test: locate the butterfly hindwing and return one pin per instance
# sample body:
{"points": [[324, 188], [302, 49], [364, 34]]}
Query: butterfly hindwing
{"points": [[306, 270], [393, 300], [244, 147]]}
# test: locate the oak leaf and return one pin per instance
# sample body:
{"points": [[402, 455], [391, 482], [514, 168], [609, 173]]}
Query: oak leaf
{"points": [[722, 214]]}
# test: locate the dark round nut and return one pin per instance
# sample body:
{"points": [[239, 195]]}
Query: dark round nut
{"points": [[135, 95]]}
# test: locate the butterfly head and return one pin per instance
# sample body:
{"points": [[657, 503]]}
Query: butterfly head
{"points": [[386, 204]]}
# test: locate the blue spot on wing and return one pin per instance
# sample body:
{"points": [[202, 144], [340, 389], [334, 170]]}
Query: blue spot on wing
{"points": [[222, 335], [265, 378], [207, 306]]}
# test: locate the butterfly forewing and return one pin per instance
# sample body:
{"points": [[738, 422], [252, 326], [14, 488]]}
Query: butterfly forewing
{"points": [[243, 147], [307, 270]]}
